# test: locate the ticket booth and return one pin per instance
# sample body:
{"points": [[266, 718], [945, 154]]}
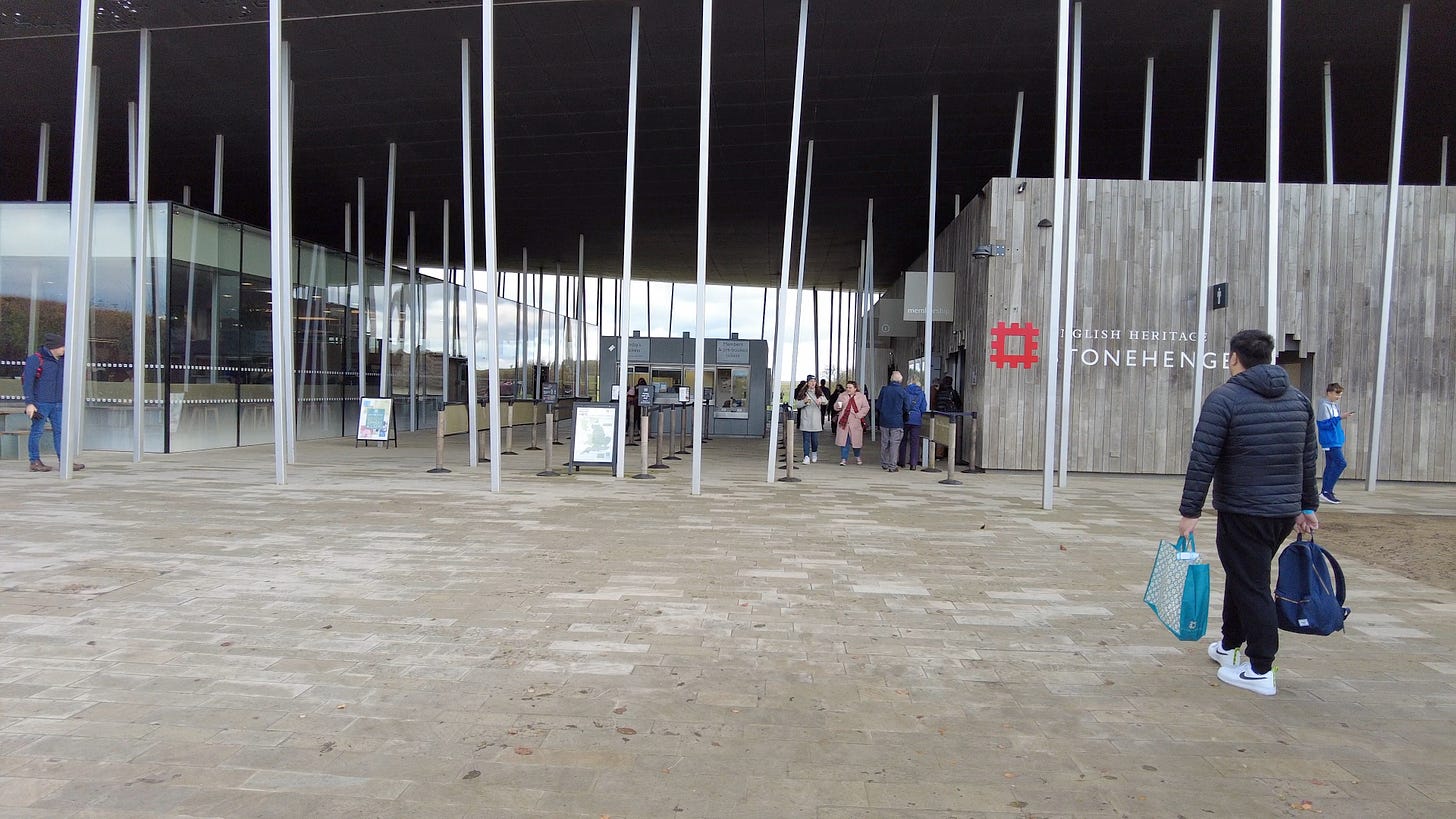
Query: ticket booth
{"points": [[735, 374]]}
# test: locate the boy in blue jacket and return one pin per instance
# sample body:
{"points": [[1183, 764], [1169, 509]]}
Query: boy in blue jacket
{"points": [[1332, 439]]}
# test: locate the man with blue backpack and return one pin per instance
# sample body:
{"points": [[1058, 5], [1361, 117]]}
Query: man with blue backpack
{"points": [[1256, 444]]}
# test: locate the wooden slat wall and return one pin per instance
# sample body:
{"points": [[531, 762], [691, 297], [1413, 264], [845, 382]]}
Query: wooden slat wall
{"points": [[1138, 269]]}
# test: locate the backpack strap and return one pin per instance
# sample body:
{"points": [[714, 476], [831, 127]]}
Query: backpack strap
{"points": [[1339, 575]]}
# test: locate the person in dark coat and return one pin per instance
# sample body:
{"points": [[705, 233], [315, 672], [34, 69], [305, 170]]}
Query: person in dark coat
{"points": [[42, 383], [1256, 444]]}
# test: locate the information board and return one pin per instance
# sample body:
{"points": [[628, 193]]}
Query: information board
{"points": [[732, 351], [593, 434], [548, 393], [375, 419], [645, 395]]}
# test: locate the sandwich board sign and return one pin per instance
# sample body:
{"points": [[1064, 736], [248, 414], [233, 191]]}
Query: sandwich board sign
{"points": [[376, 420]]}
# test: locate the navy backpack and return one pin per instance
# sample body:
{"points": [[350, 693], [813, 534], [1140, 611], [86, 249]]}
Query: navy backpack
{"points": [[1310, 595]]}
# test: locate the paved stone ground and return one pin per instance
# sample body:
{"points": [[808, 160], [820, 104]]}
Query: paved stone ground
{"points": [[183, 638]]}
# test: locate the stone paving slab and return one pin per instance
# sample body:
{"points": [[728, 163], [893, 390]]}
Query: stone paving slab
{"points": [[181, 637]]}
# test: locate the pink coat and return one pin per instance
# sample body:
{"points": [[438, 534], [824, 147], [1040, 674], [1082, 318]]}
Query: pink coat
{"points": [[852, 410]]}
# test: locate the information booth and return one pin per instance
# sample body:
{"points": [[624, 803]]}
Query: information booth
{"points": [[735, 373]]}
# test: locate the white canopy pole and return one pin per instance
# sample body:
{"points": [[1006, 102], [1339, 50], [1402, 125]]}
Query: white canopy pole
{"points": [[1392, 210], [703, 111], [78, 278], [492, 321], [624, 290], [279, 239], [1016, 138], [1271, 182], [386, 389], [1148, 124], [1073, 198], [1054, 313], [930, 257], [1329, 126], [777, 356], [467, 295], [143, 250], [803, 251], [1206, 220]]}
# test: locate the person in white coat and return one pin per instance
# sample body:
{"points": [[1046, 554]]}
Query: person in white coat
{"points": [[809, 400]]}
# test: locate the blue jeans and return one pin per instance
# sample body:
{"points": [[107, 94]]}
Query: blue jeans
{"points": [[845, 450], [43, 413], [1334, 465], [811, 442]]}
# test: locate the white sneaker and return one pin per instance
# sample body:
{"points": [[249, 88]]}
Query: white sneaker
{"points": [[1225, 659], [806, 459], [1243, 676], [814, 458]]}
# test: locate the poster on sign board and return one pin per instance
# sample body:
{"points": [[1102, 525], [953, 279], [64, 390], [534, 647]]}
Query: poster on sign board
{"points": [[375, 417]]}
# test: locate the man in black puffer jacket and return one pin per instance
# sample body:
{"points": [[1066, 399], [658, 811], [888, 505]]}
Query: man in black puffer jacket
{"points": [[1256, 442]]}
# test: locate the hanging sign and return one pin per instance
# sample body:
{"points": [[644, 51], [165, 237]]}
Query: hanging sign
{"points": [[732, 351]]}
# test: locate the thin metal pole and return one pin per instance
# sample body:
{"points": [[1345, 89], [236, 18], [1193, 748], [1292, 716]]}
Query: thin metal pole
{"points": [[1445, 149], [1271, 182], [492, 243], [78, 279], [1016, 138], [43, 162], [580, 311], [777, 354], [217, 176], [540, 329], [803, 250], [131, 137], [1329, 127], [1206, 220], [763, 315], [1073, 184], [1054, 317], [930, 244], [703, 110], [414, 326], [447, 298], [363, 293], [814, 302], [624, 288], [648, 286], [348, 228], [558, 316], [1392, 209], [187, 195], [1148, 124], [279, 238], [467, 211], [142, 162], [867, 311], [386, 389], [290, 278]]}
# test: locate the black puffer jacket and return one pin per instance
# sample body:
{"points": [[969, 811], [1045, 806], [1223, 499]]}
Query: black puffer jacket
{"points": [[1256, 442]]}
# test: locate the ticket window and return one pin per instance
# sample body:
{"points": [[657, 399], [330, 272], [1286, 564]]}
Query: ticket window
{"points": [[731, 392]]}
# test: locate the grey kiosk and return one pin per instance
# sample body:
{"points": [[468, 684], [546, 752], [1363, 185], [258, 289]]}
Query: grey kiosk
{"points": [[735, 371]]}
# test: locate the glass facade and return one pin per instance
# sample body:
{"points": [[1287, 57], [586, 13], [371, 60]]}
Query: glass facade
{"points": [[208, 330]]}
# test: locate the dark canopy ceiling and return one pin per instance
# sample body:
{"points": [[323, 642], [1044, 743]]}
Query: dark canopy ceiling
{"points": [[371, 72]]}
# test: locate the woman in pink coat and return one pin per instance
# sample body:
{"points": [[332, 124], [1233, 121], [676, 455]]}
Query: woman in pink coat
{"points": [[852, 407]]}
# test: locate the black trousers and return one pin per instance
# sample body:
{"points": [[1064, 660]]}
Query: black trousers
{"points": [[1246, 547]]}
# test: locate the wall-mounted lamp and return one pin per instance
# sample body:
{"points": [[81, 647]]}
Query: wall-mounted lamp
{"points": [[1045, 223], [987, 251]]}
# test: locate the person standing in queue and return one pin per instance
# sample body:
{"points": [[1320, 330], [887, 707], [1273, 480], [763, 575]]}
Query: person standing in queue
{"points": [[852, 408], [916, 407], [890, 413]]}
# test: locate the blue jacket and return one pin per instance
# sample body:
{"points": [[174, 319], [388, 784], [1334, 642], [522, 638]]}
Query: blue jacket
{"points": [[1331, 431], [46, 388], [915, 399], [891, 406], [1255, 442]]}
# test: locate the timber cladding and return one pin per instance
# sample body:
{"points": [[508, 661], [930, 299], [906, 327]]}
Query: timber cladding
{"points": [[1135, 316]]}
